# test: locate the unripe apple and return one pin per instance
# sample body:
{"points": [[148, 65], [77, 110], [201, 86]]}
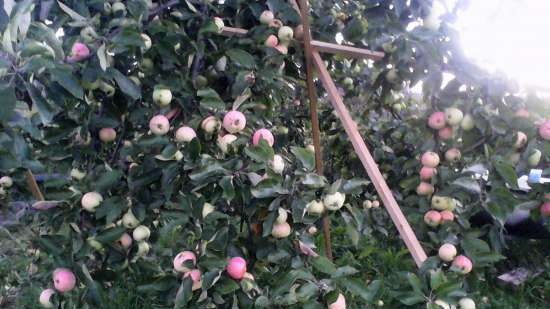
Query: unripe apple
{"points": [[141, 233], [108, 89], [430, 159], [443, 203], [219, 24], [118, 8], [107, 135], [183, 259], [264, 134], [334, 201], [236, 268], [544, 130], [195, 276], [285, 34], [447, 252], [467, 303], [129, 221], [266, 17], [522, 113], [248, 276], [221, 64], [462, 264], [467, 122], [375, 204], [299, 32], [234, 122], [162, 96], [447, 216], [76, 174], [143, 249], [146, 41], [64, 280], [534, 158], [45, 298], [185, 134], [424, 189], [147, 64], [453, 116], [315, 207], [545, 209], [91, 200], [432, 218], [210, 124], [442, 304], [514, 157], [312, 230], [159, 125], [79, 52], [6, 182], [340, 303], [521, 140], [426, 173], [436, 120], [453, 155], [280, 230], [277, 164], [271, 41], [226, 140], [282, 215], [446, 133], [125, 241], [88, 34], [367, 204]]}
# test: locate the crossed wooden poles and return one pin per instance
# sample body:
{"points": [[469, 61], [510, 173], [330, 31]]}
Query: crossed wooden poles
{"points": [[314, 61]]}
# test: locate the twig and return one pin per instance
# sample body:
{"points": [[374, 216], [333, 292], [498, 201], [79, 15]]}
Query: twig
{"points": [[118, 143], [33, 186]]}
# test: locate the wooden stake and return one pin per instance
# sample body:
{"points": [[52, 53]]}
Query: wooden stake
{"points": [[308, 50], [33, 186], [370, 165]]}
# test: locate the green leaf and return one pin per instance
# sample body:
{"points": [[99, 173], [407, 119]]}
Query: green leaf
{"points": [[45, 109], [358, 288], [7, 93], [109, 236], [260, 153], [506, 171], [125, 84], [324, 265], [74, 15], [306, 157], [210, 99], [344, 271], [241, 58], [65, 78], [228, 190], [108, 179], [184, 293], [102, 56]]}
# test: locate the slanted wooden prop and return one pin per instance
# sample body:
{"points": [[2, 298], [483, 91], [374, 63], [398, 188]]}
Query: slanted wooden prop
{"points": [[312, 48]]}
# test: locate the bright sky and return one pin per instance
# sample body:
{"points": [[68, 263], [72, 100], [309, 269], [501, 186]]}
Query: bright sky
{"points": [[511, 36]]}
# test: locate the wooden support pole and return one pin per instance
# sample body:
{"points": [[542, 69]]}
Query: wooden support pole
{"points": [[324, 47], [33, 186], [308, 52], [370, 165]]}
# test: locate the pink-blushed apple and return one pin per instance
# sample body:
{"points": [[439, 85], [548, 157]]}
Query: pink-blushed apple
{"points": [[90, 201], [432, 218], [307, 249], [280, 230], [236, 268], [545, 209], [430, 159], [462, 264], [453, 116], [436, 120], [427, 173], [264, 134], [159, 125], [447, 252], [210, 124], [312, 230], [185, 134], [453, 155], [340, 303], [234, 122], [63, 280], [45, 297], [271, 41], [521, 140], [79, 52], [182, 259], [446, 133], [544, 130], [266, 17], [195, 276], [447, 216], [522, 113], [107, 135], [125, 241], [424, 189]]}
